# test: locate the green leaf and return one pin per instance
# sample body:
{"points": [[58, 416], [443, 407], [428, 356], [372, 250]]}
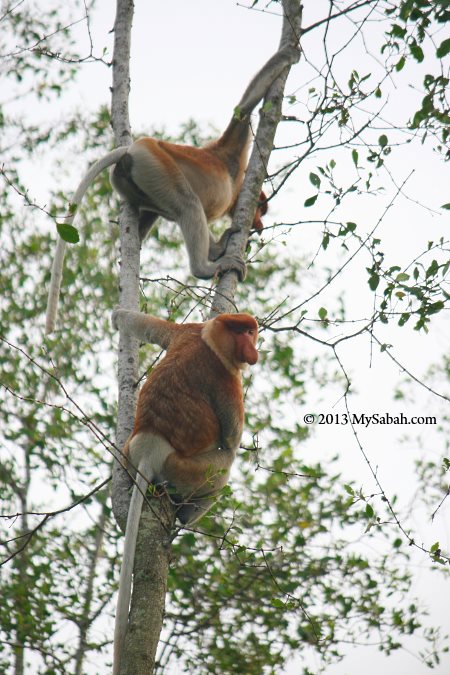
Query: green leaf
{"points": [[417, 52], [446, 206], [237, 113], [402, 277], [432, 270], [399, 65], [443, 49], [68, 232], [435, 307], [374, 280], [398, 31], [323, 313], [355, 157], [348, 488], [349, 227], [383, 140], [315, 180], [369, 511], [311, 200], [397, 543], [435, 547]]}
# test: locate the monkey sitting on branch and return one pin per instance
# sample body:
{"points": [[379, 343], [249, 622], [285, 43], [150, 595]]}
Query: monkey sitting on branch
{"points": [[188, 423], [188, 185]]}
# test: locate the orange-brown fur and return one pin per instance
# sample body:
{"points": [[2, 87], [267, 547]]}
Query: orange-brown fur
{"points": [[205, 172], [188, 424], [179, 391], [188, 185], [193, 398], [192, 383]]}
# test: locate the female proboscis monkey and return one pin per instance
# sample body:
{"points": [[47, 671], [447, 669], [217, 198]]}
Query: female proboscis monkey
{"points": [[188, 185], [188, 423]]}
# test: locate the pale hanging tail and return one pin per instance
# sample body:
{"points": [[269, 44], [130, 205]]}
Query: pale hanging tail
{"points": [[126, 571], [58, 261]]}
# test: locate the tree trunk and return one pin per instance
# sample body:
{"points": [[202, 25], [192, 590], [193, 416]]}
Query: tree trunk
{"points": [[259, 159], [152, 558], [153, 548]]}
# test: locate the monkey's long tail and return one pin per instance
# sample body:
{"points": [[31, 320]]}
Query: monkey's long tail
{"points": [[124, 595], [58, 261]]}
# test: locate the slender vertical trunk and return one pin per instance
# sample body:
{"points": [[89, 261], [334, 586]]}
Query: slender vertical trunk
{"points": [[259, 159], [86, 618], [153, 545], [21, 565]]}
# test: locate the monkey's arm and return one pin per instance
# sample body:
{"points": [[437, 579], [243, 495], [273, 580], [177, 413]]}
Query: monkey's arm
{"points": [[229, 410], [230, 429], [145, 327]]}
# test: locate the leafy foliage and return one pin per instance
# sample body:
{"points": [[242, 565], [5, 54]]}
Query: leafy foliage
{"points": [[296, 559]]}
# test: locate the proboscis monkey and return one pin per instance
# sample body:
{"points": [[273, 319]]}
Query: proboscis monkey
{"points": [[188, 185], [188, 423]]}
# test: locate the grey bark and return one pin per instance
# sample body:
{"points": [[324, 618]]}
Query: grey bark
{"points": [[259, 158], [153, 545]]}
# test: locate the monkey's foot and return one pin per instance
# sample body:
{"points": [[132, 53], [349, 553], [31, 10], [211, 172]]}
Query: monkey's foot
{"points": [[231, 262], [218, 248], [163, 487]]}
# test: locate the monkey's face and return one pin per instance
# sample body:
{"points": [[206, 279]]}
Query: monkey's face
{"points": [[245, 346], [241, 331], [233, 338]]}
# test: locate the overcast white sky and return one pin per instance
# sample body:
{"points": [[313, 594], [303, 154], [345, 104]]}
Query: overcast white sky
{"points": [[194, 59]]}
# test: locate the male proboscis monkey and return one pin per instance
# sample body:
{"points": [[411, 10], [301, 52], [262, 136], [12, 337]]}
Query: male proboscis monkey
{"points": [[188, 423], [188, 185]]}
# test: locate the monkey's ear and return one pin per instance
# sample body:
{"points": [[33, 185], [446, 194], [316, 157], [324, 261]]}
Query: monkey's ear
{"points": [[262, 203], [261, 210]]}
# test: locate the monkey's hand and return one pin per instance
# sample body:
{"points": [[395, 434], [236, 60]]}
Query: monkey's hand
{"points": [[231, 262], [128, 320], [115, 317]]}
